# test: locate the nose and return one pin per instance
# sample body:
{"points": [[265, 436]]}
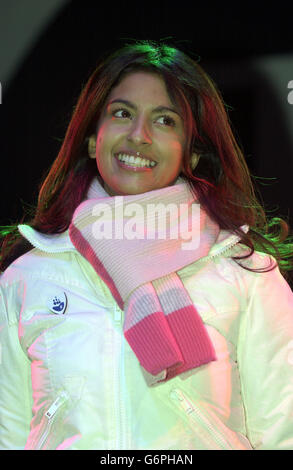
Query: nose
{"points": [[139, 132]]}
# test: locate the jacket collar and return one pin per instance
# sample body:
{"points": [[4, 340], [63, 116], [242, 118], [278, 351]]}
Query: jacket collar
{"points": [[49, 243], [59, 243]]}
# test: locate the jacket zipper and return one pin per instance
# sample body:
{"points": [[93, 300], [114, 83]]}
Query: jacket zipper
{"points": [[51, 415], [119, 386], [213, 435], [220, 252]]}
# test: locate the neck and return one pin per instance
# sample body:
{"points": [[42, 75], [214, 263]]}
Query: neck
{"points": [[99, 188]]}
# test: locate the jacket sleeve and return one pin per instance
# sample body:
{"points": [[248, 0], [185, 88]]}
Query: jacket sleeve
{"points": [[15, 379], [265, 360]]}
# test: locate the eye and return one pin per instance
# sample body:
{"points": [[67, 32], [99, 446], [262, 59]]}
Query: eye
{"points": [[121, 113], [168, 121]]}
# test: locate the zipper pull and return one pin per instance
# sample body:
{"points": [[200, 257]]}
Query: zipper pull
{"points": [[176, 394], [117, 315], [56, 405]]}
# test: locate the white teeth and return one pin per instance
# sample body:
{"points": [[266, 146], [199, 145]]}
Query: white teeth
{"points": [[135, 161]]}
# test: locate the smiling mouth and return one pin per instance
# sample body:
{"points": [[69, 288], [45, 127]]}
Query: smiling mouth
{"points": [[135, 161]]}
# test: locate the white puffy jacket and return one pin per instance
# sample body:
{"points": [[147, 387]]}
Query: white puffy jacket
{"points": [[69, 380]]}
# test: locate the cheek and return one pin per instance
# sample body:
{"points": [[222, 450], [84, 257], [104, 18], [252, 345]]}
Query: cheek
{"points": [[100, 138], [102, 148], [106, 138], [171, 143], [176, 151], [177, 148]]}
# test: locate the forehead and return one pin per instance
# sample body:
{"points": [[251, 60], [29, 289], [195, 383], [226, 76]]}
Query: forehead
{"points": [[141, 86]]}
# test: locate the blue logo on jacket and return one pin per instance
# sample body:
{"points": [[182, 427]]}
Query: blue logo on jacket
{"points": [[57, 303]]}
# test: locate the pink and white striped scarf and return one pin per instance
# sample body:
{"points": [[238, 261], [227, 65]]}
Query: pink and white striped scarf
{"points": [[161, 324]]}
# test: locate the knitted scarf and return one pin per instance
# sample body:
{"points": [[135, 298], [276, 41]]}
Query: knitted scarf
{"points": [[161, 323]]}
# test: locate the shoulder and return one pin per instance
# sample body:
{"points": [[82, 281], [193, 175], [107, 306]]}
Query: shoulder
{"points": [[259, 268], [259, 280], [226, 265], [254, 271], [232, 282], [37, 276], [37, 268], [67, 267]]}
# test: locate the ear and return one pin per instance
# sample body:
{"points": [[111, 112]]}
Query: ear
{"points": [[194, 160], [92, 146]]}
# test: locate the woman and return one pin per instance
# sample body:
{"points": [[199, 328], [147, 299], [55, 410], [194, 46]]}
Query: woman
{"points": [[118, 334]]}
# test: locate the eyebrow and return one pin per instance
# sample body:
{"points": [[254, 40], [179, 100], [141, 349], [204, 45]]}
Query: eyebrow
{"points": [[159, 109]]}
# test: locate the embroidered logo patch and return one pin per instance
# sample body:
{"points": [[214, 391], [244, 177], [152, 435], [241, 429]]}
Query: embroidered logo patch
{"points": [[57, 303]]}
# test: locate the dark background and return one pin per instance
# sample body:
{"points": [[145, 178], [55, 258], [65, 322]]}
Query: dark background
{"points": [[246, 48]]}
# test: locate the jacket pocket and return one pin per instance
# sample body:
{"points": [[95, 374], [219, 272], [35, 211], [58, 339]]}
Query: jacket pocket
{"points": [[49, 432], [210, 432]]}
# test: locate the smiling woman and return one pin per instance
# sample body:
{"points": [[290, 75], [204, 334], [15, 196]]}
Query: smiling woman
{"points": [[155, 141], [145, 342]]}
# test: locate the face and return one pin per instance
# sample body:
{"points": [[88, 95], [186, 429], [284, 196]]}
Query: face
{"points": [[140, 138]]}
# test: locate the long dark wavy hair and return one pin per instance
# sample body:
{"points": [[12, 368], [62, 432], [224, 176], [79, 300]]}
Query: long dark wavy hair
{"points": [[221, 180]]}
